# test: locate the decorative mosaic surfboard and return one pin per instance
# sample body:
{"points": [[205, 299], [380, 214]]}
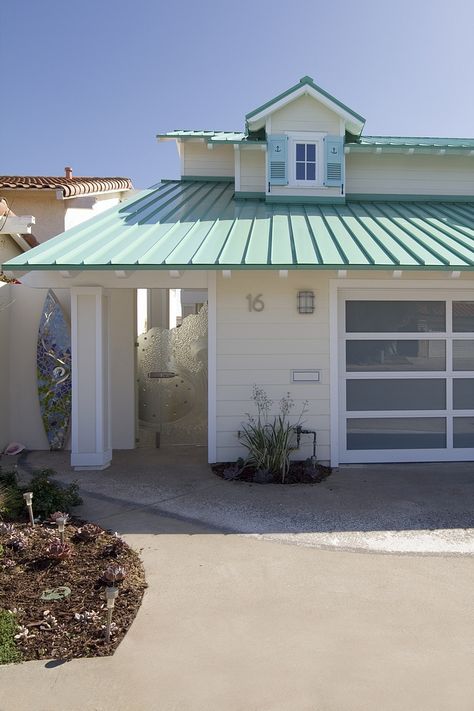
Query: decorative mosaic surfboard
{"points": [[53, 362]]}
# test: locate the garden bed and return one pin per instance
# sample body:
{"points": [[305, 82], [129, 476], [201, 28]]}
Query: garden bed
{"points": [[59, 606], [300, 472]]}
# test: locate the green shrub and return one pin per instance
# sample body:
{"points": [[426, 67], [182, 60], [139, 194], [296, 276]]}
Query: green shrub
{"points": [[8, 649], [48, 496], [270, 441]]}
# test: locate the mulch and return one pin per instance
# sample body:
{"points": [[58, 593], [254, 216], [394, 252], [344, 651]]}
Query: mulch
{"points": [[300, 472], [60, 628]]}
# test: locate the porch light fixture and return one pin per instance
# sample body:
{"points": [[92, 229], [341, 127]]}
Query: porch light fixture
{"points": [[305, 302]]}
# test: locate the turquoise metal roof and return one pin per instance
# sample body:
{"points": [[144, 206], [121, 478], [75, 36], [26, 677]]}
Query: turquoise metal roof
{"points": [[200, 225], [209, 136], [417, 142]]}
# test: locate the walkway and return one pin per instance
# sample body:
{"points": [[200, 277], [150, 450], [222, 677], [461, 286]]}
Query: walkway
{"points": [[405, 508]]}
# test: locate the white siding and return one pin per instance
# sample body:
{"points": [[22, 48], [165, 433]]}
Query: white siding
{"points": [[409, 174], [263, 347], [305, 114], [199, 160], [252, 170], [301, 191]]}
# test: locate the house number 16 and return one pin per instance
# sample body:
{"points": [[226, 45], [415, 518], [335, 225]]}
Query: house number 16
{"points": [[255, 302]]}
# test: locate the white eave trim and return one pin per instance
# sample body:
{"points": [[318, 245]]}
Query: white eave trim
{"points": [[354, 125], [16, 224]]}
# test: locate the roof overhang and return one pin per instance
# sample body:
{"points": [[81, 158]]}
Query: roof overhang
{"points": [[186, 226]]}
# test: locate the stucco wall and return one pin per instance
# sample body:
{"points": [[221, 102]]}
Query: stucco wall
{"points": [[43, 205], [409, 174], [8, 248], [264, 347], [199, 160], [5, 298]]}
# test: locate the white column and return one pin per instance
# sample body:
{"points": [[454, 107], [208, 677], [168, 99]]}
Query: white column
{"points": [[91, 431]]}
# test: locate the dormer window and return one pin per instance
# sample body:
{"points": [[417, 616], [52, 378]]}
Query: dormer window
{"points": [[305, 163]]}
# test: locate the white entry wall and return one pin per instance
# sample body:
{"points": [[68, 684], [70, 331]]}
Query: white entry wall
{"points": [[404, 358]]}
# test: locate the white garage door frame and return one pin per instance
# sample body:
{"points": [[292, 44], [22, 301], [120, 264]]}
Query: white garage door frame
{"points": [[342, 290]]}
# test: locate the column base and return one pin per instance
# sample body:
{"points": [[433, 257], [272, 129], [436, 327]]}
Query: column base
{"points": [[91, 461]]}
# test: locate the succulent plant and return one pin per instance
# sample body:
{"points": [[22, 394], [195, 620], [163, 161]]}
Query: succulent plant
{"points": [[116, 547], [6, 529], [114, 574], [89, 532], [17, 542], [59, 514], [57, 550], [87, 617]]}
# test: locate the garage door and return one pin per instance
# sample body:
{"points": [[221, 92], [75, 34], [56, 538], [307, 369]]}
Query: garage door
{"points": [[406, 378]]}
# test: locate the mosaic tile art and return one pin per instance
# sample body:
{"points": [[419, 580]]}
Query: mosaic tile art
{"points": [[53, 362]]}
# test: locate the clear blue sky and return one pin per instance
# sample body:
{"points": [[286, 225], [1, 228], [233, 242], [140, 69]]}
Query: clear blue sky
{"points": [[90, 83]]}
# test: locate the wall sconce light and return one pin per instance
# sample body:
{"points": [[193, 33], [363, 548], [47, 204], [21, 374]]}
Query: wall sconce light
{"points": [[305, 302]]}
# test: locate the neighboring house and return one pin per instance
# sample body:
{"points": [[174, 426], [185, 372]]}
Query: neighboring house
{"points": [[338, 267], [46, 206]]}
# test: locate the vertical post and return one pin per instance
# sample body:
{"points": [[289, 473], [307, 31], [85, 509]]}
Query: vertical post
{"points": [[212, 366], [91, 431]]}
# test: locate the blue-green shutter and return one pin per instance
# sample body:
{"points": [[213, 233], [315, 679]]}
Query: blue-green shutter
{"points": [[333, 160], [277, 150]]}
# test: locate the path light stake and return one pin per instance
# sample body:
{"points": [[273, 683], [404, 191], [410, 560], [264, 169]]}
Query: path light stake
{"points": [[110, 595], [61, 521], [28, 496]]}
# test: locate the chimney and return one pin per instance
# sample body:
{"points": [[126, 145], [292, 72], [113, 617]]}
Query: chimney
{"points": [[68, 172]]}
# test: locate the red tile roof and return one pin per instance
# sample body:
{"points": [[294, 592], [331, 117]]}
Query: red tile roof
{"points": [[69, 186]]}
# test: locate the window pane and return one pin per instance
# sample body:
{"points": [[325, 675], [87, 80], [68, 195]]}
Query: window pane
{"points": [[410, 394], [463, 316], [300, 171], [395, 355], [463, 355], [311, 171], [463, 394], [395, 316], [463, 431], [311, 152], [396, 433], [300, 151]]}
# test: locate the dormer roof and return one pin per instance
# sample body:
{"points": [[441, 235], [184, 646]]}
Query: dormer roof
{"points": [[354, 121]]}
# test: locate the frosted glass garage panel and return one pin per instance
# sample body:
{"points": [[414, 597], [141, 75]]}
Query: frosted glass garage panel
{"points": [[395, 356], [396, 394], [396, 433], [463, 432], [395, 316], [463, 393], [463, 355], [463, 316]]}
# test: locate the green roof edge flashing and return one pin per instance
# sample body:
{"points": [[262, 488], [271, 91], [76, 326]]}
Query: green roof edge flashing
{"points": [[308, 81], [219, 267]]}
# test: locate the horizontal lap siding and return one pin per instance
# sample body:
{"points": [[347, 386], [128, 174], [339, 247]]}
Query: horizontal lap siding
{"points": [[252, 171], [263, 347], [409, 174], [305, 114], [199, 160]]}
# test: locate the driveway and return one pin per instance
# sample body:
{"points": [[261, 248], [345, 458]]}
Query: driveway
{"points": [[405, 508], [238, 624]]}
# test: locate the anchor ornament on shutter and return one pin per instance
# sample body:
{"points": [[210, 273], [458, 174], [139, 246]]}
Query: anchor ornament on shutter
{"points": [[277, 148], [334, 161]]}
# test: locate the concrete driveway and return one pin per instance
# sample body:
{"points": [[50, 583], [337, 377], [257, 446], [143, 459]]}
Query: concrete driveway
{"points": [[238, 624], [405, 508]]}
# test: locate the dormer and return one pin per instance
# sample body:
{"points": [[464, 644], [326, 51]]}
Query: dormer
{"points": [[305, 129]]}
